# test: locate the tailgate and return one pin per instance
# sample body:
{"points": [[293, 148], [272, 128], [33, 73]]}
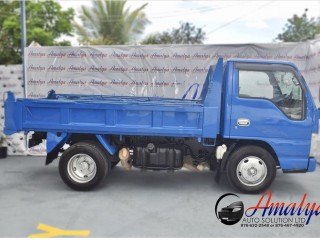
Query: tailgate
{"points": [[13, 115]]}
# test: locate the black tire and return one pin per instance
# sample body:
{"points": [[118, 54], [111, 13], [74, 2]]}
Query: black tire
{"points": [[114, 159], [99, 162], [259, 164]]}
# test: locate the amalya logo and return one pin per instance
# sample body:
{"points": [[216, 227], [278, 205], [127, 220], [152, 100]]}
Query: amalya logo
{"points": [[119, 82], [98, 55], [36, 95], [56, 54], [76, 82], [35, 82], [268, 213], [37, 68], [180, 56], [118, 69], [137, 69], [119, 55], [177, 69], [232, 213], [100, 69], [157, 55], [136, 55], [156, 69], [76, 68], [36, 54], [199, 70], [77, 54], [95, 82], [53, 68], [57, 82], [201, 56]]}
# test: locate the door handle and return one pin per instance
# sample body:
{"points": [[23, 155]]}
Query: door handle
{"points": [[244, 122]]}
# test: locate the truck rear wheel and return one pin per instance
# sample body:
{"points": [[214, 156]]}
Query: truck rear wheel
{"points": [[251, 169], [83, 166]]}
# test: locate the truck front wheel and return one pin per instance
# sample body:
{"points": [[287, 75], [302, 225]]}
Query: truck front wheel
{"points": [[251, 169], [83, 166]]}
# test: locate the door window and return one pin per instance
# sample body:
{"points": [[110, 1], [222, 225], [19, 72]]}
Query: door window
{"points": [[280, 87]]}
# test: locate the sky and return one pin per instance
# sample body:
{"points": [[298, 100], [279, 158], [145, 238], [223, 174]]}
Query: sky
{"points": [[223, 21]]}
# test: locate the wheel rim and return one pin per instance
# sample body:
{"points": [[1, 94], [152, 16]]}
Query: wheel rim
{"points": [[251, 171], [81, 168]]}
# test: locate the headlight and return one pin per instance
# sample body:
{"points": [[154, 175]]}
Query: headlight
{"points": [[313, 145]]}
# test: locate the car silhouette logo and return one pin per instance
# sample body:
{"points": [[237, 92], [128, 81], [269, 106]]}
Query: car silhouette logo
{"points": [[232, 212]]}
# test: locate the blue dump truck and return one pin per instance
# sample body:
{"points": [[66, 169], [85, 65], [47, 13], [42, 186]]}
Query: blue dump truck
{"points": [[253, 118]]}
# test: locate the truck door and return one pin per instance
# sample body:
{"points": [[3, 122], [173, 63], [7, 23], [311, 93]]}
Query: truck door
{"points": [[269, 105]]}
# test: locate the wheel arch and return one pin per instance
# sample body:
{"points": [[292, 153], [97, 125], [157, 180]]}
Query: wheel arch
{"points": [[104, 141], [241, 143]]}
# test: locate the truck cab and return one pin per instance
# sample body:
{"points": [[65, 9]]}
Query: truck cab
{"points": [[270, 102], [254, 116]]}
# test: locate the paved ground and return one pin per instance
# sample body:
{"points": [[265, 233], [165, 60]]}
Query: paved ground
{"points": [[135, 204]]}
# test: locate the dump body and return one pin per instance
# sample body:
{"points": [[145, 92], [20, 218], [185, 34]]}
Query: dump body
{"points": [[120, 115], [110, 115]]}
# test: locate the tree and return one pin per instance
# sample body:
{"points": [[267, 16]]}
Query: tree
{"points": [[46, 22], [185, 34], [299, 29], [109, 22]]}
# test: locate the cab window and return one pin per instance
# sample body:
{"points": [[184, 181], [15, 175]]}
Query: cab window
{"points": [[279, 86]]}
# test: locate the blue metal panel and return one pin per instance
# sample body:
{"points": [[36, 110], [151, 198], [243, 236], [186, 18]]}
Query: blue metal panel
{"points": [[13, 116], [181, 119], [134, 117], [110, 116], [91, 116], [107, 144], [227, 99], [290, 139], [55, 140], [47, 114], [312, 165], [212, 101]]}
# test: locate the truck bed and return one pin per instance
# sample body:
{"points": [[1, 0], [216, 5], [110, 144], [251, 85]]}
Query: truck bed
{"points": [[112, 115], [69, 113]]}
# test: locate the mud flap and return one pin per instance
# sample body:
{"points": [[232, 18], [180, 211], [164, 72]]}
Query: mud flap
{"points": [[55, 141], [221, 166]]}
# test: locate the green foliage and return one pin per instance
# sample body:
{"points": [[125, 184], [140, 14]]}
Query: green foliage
{"points": [[46, 22], [299, 29], [109, 22], [185, 34]]}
